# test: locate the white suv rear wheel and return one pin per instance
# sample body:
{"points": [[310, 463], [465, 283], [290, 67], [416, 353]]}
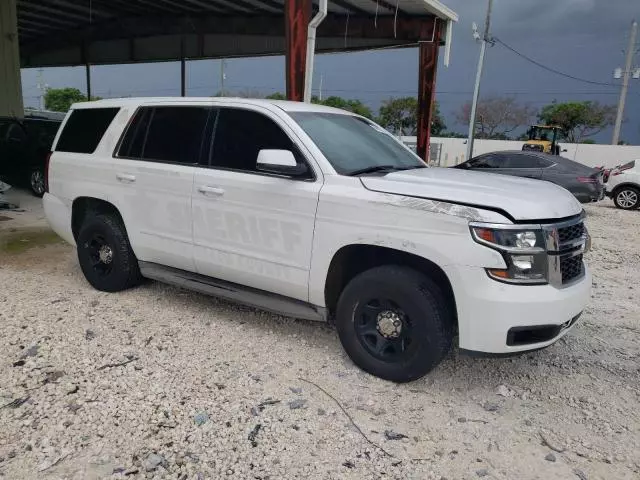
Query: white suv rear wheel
{"points": [[627, 198]]}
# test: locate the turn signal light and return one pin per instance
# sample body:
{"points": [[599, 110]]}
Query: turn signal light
{"points": [[498, 273], [486, 234]]}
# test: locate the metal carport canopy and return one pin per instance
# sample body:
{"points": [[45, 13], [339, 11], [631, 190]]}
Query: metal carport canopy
{"points": [[56, 33]]}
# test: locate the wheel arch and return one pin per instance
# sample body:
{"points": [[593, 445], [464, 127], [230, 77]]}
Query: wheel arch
{"points": [[82, 206], [620, 186], [351, 260]]}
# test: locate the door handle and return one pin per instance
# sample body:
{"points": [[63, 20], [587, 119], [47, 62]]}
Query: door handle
{"points": [[125, 177], [208, 190]]}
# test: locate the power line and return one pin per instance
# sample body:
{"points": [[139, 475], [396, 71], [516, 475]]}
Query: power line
{"points": [[552, 70]]}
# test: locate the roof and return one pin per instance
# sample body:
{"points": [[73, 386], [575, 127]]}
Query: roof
{"points": [[285, 105], [71, 32]]}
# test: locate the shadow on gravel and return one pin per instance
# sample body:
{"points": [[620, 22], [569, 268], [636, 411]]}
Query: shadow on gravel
{"points": [[457, 370]]}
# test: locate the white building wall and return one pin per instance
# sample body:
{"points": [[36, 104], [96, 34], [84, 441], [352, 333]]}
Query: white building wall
{"points": [[454, 151]]}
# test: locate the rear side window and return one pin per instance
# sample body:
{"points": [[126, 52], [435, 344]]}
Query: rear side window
{"points": [[486, 161], [84, 129], [16, 133], [166, 134], [42, 131], [539, 162], [523, 161]]}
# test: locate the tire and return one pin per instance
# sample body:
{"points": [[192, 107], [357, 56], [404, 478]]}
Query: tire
{"points": [[372, 307], [36, 182], [105, 255], [627, 198]]}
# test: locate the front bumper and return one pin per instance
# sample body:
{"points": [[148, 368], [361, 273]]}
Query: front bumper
{"points": [[489, 311]]}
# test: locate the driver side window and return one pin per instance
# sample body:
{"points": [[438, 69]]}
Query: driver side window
{"points": [[240, 135]]}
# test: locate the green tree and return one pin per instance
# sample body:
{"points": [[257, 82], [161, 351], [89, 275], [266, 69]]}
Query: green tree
{"points": [[578, 120], [61, 99], [355, 106], [400, 115]]}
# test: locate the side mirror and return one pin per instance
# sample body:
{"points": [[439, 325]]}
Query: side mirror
{"points": [[280, 162]]}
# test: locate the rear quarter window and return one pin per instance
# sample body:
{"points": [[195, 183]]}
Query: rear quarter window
{"points": [[84, 129]]}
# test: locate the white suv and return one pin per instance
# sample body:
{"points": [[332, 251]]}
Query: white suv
{"points": [[623, 186], [317, 213]]}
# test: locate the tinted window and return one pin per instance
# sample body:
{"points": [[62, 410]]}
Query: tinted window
{"points": [[540, 162], [3, 129], [241, 134], [486, 161], [522, 161], [170, 134], [175, 134], [133, 140], [351, 143], [42, 131], [84, 129], [16, 133]]}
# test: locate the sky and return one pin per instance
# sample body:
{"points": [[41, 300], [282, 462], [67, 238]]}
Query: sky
{"points": [[584, 38]]}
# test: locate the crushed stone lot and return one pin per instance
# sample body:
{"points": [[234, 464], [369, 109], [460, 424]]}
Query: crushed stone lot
{"points": [[157, 382]]}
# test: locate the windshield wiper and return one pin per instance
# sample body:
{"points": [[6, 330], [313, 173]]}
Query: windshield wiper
{"points": [[381, 168]]}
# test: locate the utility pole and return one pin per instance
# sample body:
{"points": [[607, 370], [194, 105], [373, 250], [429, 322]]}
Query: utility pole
{"points": [[625, 82], [42, 87], [486, 38], [222, 77], [321, 82]]}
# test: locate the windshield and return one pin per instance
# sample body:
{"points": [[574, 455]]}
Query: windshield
{"points": [[543, 134], [353, 144]]}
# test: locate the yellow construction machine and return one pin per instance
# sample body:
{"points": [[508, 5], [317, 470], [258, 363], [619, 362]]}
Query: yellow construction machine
{"points": [[543, 138]]}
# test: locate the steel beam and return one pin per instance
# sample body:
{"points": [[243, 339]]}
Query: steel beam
{"points": [[428, 69], [297, 15], [10, 83]]}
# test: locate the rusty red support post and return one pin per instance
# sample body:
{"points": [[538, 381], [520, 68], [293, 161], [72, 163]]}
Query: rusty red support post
{"points": [[296, 14], [426, 90]]}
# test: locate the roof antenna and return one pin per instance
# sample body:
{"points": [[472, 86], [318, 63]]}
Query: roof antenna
{"points": [[375, 21], [90, 11], [395, 20]]}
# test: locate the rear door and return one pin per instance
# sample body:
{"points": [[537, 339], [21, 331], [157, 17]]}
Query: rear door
{"points": [[250, 227], [153, 173]]}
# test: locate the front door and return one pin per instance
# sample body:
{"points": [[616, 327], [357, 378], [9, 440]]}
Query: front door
{"points": [[250, 227]]}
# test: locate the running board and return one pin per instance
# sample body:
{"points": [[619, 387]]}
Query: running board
{"points": [[232, 291]]}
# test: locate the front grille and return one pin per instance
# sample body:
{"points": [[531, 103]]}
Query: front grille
{"points": [[570, 233], [571, 268]]}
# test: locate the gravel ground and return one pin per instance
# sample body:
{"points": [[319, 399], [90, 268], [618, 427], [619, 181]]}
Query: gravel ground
{"points": [[161, 383]]}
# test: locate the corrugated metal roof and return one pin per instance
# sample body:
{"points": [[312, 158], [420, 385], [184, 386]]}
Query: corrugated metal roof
{"points": [[37, 18], [64, 27]]}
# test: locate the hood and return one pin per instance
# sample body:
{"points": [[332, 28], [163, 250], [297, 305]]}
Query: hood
{"points": [[521, 198]]}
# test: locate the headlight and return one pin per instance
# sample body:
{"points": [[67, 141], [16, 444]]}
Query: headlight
{"points": [[523, 251]]}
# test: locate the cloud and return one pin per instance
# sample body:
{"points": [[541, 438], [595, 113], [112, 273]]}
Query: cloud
{"points": [[552, 17]]}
